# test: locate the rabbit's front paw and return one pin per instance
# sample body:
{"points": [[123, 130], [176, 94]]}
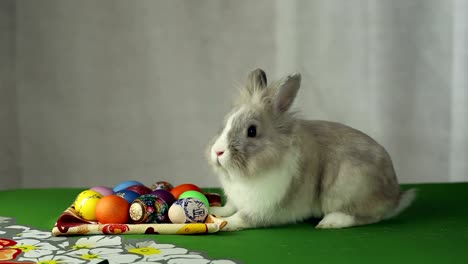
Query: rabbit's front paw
{"points": [[223, 211], [235, 223]]}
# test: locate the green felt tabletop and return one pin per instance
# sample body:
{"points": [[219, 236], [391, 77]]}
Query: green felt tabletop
{"points": [[433, 230]]}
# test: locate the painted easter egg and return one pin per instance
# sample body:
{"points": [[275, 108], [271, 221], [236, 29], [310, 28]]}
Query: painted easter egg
{"points": [[86, 194], [162, 185], [128, 195], [149, 208], [86, 207], [195, 194], [188, 210]]}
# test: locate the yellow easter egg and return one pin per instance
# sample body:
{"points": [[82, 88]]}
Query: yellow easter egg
{"points": [[86, 194], [86, 208]]}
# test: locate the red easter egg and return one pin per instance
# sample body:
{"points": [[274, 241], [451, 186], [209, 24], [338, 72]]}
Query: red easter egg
{"points": [[140, 189], [178, 190], [213, 198], [112, 209]]}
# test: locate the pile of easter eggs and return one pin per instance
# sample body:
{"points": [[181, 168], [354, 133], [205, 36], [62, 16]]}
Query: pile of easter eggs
{"points": [[133, 202]]}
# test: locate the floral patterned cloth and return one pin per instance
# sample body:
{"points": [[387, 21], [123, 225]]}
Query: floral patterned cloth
{"points": [[22, 244], [69, 223]]}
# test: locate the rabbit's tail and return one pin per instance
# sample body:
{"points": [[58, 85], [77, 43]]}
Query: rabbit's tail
{"points": [[406, 198]]}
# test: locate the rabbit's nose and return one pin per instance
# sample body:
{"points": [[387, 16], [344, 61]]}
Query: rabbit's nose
{"points": [[219, 152]]}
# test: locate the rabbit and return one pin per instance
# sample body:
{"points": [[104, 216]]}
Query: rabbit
{"points": [[277, 169]]}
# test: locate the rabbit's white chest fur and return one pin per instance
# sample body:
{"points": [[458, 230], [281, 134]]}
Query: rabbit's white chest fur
{"points": [[261, 195]]}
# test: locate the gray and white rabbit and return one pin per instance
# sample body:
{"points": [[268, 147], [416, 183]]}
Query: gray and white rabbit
{"points": [[278, 169]]}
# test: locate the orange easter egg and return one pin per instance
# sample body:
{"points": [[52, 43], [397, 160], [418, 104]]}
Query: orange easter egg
{"points": [[112, 209], [178, 190]]}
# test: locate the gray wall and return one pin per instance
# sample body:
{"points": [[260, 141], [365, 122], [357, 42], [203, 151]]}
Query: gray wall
{"points": [[9, 148]]}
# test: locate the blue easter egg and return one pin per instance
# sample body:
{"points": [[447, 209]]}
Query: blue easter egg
{"points": [[128, 195], [125, 184]]}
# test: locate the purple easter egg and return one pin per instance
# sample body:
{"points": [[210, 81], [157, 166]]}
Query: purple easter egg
{"points": [[104, 190], [165, 195]]}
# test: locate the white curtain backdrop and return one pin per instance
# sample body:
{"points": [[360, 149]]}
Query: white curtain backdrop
{"points": [[395, 69], [106, 91]]}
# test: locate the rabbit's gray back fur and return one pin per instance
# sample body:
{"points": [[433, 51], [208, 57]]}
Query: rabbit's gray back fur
{"points": [[348, 170]]}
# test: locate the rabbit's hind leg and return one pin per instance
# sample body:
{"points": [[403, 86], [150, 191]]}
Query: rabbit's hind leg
{"points": [[342, 220]]}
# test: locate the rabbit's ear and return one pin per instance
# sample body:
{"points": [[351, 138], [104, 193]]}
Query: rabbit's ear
{"points": [[287, 92], [256, 81]]}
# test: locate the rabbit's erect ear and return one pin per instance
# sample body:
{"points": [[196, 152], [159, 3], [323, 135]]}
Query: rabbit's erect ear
{"points": [[287, 92], [256, 80]]}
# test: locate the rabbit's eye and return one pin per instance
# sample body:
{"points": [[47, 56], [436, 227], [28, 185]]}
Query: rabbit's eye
{"points": [[252, 131]]}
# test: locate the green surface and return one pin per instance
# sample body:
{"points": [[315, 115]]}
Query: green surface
{"points": [[433, 230]]}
